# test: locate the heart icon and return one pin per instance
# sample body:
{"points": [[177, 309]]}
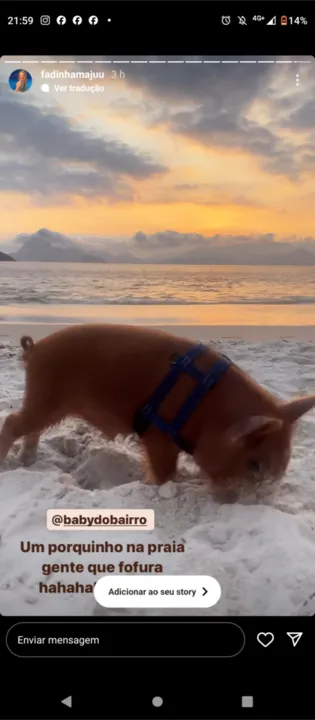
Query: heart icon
{"points": [[265, 639]]}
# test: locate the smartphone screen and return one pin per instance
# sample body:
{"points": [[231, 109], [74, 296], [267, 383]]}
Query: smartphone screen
{"points": [[157, 359]]}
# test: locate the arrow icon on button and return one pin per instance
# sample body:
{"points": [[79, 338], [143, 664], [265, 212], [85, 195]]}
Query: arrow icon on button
{"points": [[205, 591], [295, 637], [67, 701]]}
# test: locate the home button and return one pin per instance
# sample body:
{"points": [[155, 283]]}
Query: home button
{"points": [[157, 701]]}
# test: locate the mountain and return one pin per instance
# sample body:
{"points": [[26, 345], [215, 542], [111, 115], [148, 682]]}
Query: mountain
{"points": [[168, 248], [4, 257], [299, 257], [244, 254], [124, 258], [45, 252], [48, 246]]}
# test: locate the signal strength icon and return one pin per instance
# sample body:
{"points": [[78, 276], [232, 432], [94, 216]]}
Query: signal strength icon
{"points": [[295, 637], [272, 21]]}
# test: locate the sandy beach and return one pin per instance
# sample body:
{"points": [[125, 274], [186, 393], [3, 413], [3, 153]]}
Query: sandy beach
{"points": [[260, 549], [203, 333]]}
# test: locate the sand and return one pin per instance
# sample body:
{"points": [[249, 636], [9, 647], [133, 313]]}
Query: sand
{"points": [[261, 548], [203, 333]]}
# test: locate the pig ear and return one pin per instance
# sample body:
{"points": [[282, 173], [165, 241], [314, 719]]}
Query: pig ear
{"points": [[294, 409], [254, 430]]}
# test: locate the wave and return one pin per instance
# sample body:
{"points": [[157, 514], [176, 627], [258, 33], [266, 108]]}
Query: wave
{"points": [[288, 300]]}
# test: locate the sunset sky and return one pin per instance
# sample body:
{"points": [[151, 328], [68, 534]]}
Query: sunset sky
{"points": [[192, 148]]}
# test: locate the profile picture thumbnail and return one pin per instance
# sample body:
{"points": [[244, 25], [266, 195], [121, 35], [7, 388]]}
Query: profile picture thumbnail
{"points": [[20, 81]]}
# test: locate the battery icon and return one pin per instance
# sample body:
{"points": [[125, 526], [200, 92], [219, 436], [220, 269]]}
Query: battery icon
{"points": [[283, 20]]}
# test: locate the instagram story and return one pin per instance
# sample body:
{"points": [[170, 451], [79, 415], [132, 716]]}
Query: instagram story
{"points": [[176, 197]]}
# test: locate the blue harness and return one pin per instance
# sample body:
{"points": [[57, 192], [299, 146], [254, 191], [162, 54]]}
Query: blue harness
{"points": [[205, 381]]}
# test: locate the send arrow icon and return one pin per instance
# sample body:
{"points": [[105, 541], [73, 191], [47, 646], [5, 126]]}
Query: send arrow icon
{"points": [[295, 637]]}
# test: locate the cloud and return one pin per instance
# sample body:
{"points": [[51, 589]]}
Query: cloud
{"points": [[304, 116], [211, 195], [42, 152], [44, 235], [167, 239], [169, 245], [181, 195], [211, 105], [232, 130], [48, 181], [230, 85]]}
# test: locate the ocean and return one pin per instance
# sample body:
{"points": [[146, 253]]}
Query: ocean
{"points": [[157, 294]]}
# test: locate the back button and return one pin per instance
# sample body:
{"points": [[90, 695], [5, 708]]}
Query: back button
{"points": [[67, 701]]}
